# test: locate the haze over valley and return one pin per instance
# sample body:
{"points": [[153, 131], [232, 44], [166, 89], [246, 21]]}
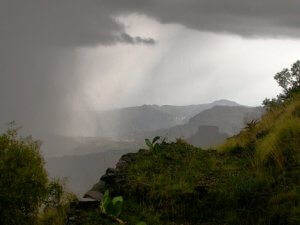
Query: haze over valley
{"points": [[124, 130]]}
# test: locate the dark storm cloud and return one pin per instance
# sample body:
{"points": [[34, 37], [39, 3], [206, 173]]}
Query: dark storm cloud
{"points": [[39, 38], [92, 22], [59, 22], [242, 17], [38, 41], [124, 37]]}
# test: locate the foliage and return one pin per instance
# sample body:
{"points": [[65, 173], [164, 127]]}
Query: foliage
{"points": [[111, 207], [56, 204], [289, 81], [251, 125], [23, 179], [52, 217], [141, 223], [152, 144], [26, 194], [55, 191]]}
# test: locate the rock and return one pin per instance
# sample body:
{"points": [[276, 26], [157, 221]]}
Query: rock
{"points": [[113, 178], [96, 195]]}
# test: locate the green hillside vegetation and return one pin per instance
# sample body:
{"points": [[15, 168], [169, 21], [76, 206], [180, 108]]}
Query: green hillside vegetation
{"points": [[251, 179]]}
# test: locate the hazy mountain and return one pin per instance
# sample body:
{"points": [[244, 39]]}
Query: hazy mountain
{"points": [[128, 122], [229, 119], [184, 113]]}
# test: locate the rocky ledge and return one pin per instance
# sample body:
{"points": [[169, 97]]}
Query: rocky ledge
{"points": [[112, 180]]}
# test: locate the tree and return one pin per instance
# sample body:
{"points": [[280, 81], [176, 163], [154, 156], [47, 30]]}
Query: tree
{"points": [[289, 81], [23, 179]]}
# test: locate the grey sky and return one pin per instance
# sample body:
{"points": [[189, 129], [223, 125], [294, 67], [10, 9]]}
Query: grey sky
{"points": [[247, 18], [61, 57]]}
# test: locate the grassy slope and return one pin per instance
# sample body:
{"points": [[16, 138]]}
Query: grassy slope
{"points": [[253, 178]]}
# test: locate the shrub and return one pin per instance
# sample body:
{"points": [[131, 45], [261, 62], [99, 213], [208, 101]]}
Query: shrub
{"points": [[152, 145], [23, 179], [56, 204]]}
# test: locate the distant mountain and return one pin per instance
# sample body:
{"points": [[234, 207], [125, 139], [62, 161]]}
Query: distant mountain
{"points": [[128, 122], [184, 113], [228, 119]]}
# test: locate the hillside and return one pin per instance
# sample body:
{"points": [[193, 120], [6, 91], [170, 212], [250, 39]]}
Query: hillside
{"points": [[251, 179]]}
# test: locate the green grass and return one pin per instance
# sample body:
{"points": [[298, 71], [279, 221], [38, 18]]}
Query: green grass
{"points": [[185, 184], [281, 146]]}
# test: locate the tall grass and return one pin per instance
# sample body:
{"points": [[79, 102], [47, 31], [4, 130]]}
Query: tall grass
{"points": [[276, 132], [282, 145]]}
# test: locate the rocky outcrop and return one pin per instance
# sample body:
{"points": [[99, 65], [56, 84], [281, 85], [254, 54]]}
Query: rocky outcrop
{"points": [[207, 136], [113, 179]]}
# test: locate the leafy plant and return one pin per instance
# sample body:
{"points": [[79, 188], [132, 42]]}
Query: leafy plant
{"points": [[251, 125], [141, 223], [55, 193], [152, 145], [111, 207]]}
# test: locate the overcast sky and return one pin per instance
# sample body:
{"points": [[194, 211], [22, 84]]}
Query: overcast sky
{"points": [[59, 58]]}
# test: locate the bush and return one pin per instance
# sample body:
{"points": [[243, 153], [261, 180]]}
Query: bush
{"points": [[56, 204], [23, 179]]}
